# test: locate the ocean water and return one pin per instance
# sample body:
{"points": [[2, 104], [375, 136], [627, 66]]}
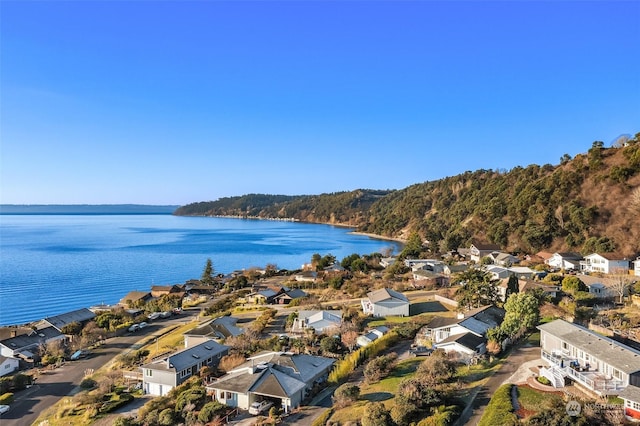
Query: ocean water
{"points": [[51, 264]]}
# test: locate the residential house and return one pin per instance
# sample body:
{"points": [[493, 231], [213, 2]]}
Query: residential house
{"points": [[385, 302], [449, 270], [523, 272], [525, 285], [606, 263], [135, 298], [25, 345], [497, 272], [464, 334], [597, 363], [372, 335], [285, 379], [81, 316], [216, 329], [288, 295], [432, 265], [600, 291], [306, 276], [385, 262], [320, 321], [166, 290], [631, 397], [8, 365], [479, 250], [264, 296], [565, 260], [503, 259], [160, 376], [424, 277]]}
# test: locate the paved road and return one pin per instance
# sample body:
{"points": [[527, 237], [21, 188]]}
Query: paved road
{"points": [[519, 356], [55, 384]]}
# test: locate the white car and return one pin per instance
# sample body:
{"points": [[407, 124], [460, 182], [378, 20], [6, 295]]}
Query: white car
{"points": [[165, 314], [259, 407], [4, 409], [134, 327], [153, 316], [142, 325]]}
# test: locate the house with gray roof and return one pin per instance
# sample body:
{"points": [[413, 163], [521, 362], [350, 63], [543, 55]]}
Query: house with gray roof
{"points": [[597, 363], [385, 302], [464, 334], [25, 345], [318, 320], [82, 316], [372, 335], [288, 295], [283, 378], [564, 260], [162, 375], [216, 329]]}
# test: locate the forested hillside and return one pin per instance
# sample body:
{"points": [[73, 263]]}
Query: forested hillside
{"points": [[587, 203]]}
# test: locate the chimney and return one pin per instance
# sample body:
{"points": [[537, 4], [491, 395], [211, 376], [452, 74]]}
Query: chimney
{"points": [[14, 333], [460, 315]]}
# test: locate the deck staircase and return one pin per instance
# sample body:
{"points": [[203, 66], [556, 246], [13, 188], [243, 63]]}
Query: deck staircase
{"points": [[554, 375]]}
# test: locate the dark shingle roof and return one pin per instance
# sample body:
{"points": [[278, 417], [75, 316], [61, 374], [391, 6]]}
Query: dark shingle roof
{"points": [[80, 315]]}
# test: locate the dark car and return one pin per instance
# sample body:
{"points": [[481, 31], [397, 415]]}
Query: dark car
{"points": [[420, 351]]}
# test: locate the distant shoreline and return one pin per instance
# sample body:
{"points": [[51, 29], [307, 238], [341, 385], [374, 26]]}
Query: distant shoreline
{"points": [[85, 209], [379, 237]]}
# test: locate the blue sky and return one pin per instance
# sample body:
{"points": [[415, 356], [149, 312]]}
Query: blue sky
{"points": [[175, 102]]}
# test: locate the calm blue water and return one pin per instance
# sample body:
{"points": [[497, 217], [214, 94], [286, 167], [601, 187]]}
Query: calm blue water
{"points": [[51, 264]]}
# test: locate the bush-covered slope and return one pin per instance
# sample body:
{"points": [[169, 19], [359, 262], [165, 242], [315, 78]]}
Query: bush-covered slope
{"points": [[588, 203], [591, 202]]}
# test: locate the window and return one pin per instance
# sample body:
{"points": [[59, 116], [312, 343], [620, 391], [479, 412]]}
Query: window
{"points": [[228, 395], [149, 373], [617, 374], [635, 405]]}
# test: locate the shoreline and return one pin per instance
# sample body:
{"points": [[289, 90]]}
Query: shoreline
{"points": [[379, 237]]}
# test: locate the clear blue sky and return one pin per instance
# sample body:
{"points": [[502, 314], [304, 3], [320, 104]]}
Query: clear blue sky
{"points": [[175, 102]]}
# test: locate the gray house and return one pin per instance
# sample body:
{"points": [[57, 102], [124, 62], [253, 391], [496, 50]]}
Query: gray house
{"points": [[385, 302], [285, 379], [159, 377]]}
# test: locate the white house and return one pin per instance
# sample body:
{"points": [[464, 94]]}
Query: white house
{"points": [[607, 263], [371, 335], [479, 250], [598, 363], [24, 345], [503, 259], [284, 379], [385, 302], [320, 321], [464, 334], [564, 260], [600, 291], [636, 267], [631, 397], [160, 376], [8, 365]]}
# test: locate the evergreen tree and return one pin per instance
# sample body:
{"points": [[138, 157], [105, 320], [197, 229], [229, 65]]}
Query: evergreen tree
{"points": [[512, 285], [207, 274]]}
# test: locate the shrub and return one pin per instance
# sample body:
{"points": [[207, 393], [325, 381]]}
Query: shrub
{"points": [[322, 419], [346, 394], [500, 410], [543, 380], [88, 383], [210, 410]]}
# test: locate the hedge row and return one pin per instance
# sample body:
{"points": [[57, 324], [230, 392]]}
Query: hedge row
{"points": [[6, 398], [500, 410], [348, 364]]}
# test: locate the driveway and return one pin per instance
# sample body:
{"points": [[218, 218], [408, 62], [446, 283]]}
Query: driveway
{"points": [[510, 370]]}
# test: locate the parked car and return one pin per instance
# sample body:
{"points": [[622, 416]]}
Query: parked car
{"points": [[4, 409], [420, 351], [153, 316], [165, 314], [259, 407], [79, 354], [134, 327], [176, 311], [142, 325]]}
